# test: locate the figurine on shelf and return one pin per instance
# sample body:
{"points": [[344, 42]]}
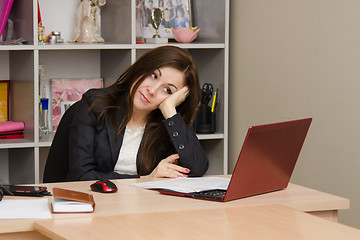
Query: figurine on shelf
{"points": [[88, 22], [41, 34]]}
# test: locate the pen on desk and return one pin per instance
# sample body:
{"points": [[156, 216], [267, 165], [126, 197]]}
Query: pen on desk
{"points": [[214, 100]]}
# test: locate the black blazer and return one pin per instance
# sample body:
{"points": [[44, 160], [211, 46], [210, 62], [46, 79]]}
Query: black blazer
{"points": [[94, 145]]}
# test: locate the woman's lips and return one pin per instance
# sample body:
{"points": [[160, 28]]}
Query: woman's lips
{"points": [[144, 98]]}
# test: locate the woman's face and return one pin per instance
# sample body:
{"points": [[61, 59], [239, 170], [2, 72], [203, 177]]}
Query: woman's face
{"points": [[167, 15], [179, 13], [156, 88]]}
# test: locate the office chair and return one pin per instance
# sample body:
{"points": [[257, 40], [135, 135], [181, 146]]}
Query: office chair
{"points": [[57, 163]]}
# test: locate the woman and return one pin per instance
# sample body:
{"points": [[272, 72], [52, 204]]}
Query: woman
{"points": [[167, 22], [181, 20], [171, 9], [140, 125]]}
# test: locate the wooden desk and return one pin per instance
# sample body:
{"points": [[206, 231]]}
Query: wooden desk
{"points": [[131, 200], [237, 222]]}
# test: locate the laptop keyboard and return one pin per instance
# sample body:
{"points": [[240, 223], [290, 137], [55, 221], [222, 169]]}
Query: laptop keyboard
{"points": [[216, 195]]}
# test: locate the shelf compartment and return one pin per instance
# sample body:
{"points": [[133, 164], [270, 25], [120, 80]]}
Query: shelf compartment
{"points": [[61, 16], [215, 152], [21, 165], [211, 70], [20, 68], [210, 18]]}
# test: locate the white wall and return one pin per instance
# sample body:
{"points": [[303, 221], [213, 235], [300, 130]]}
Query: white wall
{"points": [[291, 59], [64, 25]]}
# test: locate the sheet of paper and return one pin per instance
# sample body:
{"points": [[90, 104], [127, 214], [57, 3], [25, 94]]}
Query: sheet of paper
{"points": [[187, 185], [24, 208]]}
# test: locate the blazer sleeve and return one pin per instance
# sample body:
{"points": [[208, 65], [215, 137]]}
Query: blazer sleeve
{"points": [[85, 134], [187, 146]]}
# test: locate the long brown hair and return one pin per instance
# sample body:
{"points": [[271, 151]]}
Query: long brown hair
{"points": [[122, 95]]}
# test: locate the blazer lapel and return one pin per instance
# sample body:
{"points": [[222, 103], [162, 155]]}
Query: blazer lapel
{"points": [[114, 140]]}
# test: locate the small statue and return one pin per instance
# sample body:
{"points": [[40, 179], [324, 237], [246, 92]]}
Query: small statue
{"points": [[88, 22], [41, 34]]}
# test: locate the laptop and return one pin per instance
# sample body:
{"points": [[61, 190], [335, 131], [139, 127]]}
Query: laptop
{"points": [[265, 164]]}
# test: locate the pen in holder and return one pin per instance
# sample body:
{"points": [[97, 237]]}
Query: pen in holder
{"points": [[205, 121]]}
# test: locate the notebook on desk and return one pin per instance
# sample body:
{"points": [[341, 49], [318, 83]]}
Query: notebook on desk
{"points": [[265, 164]]}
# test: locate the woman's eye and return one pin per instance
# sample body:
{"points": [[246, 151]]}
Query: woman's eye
{"points": [[154, 75], [167, 90]]}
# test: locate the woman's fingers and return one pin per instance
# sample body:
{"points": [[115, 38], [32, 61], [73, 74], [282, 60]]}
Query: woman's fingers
{"points": [[171, 158], [168, 106], [182, 95], [178, 169], [173, 172], [176, 98], [168, 168]]}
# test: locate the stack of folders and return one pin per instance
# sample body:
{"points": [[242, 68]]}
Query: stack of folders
{"points": [[69, 201], [11, 130]]}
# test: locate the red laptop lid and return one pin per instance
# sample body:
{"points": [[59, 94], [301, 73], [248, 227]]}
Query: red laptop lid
{"points": [[267, 158]]}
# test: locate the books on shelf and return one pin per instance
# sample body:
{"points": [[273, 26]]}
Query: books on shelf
{"points": [[4, 100], [12, 135], [11, 130], [9, 126], [69, 201]]}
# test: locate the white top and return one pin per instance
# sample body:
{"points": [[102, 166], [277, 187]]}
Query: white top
{"points": [[126, 163]]}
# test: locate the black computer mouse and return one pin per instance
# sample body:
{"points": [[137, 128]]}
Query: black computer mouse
{"points": [[104, 186]]}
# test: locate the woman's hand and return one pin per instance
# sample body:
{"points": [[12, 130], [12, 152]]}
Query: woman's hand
{"points": [[168, 106], [168, 168]]}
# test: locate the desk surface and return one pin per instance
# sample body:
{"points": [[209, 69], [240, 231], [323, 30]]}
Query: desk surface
{"points": [[236, 222], [130, 200]]}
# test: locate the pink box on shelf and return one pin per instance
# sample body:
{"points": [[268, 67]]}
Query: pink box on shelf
{"points": [[65, 92], [9, 126]]}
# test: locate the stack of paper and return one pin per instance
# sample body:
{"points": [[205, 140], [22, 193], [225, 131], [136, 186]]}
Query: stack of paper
{"points": [[24, 208], [187, 185]]}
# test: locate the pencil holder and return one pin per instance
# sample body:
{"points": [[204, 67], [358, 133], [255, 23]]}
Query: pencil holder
{"points": [[205, 121]]}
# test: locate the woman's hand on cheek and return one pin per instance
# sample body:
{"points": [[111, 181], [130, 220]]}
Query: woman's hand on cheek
{"points": [[168, 168], [168, 106]]}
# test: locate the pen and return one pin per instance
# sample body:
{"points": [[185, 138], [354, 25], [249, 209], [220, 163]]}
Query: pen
{"points": [[214, 100], [217, 100]]}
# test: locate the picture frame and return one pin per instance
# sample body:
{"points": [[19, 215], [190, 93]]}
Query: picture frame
{"points": [[172, 10], [65, 92], [4, 100]]}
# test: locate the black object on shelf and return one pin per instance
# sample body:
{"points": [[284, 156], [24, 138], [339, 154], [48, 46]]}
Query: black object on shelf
{"points": [[205, 121]]}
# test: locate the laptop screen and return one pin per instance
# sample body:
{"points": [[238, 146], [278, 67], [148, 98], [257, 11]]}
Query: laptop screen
{"points": [[267, 158]]}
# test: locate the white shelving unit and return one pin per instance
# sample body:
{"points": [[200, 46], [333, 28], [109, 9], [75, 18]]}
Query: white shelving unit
{"points": [[23, 160]]}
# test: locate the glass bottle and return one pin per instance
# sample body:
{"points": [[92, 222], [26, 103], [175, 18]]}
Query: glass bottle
{"points": [[44, 116]]}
